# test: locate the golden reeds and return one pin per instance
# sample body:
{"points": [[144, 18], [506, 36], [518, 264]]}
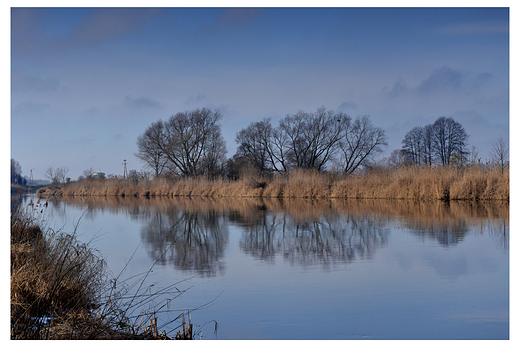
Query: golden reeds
{"points": [[412, 182]]}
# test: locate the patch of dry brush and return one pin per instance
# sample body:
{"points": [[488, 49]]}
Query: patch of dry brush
{"points": [[60, 290], [407, 182]]}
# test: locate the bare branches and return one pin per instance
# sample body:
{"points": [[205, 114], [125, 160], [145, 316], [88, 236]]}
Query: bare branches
{"points": [[303, 140], [440, 142], [361, 143], [57, 176], [500, 154], [189, 143], [149, 150]]}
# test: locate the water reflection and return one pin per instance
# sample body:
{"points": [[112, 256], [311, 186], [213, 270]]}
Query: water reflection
{"points": [[446, 235], [324, 240], [192, 234], [187, 239]]}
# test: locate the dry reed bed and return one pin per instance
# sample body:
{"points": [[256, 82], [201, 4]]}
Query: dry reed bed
{"points": [[416, 183], [60, 290]]}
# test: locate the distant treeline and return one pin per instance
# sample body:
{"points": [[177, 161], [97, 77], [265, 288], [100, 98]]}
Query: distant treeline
{"points": [[190, 144]]}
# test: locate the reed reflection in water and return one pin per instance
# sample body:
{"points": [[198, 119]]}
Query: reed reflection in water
{"points": [[192, 234]]}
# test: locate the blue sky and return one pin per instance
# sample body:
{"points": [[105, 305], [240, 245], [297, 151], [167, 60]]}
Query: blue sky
{"points": [[86, 82]]}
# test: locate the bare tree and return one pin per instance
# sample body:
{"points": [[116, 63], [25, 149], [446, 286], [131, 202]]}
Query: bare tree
{"points": [[449, 138], [314, 137], [57, 176], [474, 159], [88, 173], [398, 157], [427, 143], [361, 143], [149, 149], [303, 140], [214, 156], [413, 144], [255, 144], [500, 154], [279, 150], [188, 137]]}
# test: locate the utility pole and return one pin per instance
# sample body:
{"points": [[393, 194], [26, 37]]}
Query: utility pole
{"points": [[124, 171], [31, 178]]}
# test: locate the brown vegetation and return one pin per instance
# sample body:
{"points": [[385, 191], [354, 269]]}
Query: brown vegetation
{"points": [[407, 182], [417, 215], [60, 290]]}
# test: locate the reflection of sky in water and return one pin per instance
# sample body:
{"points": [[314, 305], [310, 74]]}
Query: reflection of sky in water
{"points": [[333, 276]]}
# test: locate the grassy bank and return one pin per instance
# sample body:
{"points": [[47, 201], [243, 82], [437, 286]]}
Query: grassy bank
{"points": [[417, 183], [60, 290], [16, 188]]}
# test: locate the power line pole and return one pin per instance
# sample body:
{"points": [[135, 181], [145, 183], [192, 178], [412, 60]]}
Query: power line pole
{"points": [[124, 171]]}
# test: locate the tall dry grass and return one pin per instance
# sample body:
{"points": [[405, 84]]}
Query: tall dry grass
{"points": [[60, 290], [412, 182], [424, 183]]}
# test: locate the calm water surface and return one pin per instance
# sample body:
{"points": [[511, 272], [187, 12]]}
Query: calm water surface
{"points": [[308, 269]]}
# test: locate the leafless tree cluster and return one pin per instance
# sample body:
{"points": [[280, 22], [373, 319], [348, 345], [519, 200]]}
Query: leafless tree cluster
{"points": [[187, 144], [442, 142], [310, 141], [58, 175]]}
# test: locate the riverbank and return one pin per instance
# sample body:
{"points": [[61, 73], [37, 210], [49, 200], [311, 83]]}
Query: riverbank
{"points": [[17, 189], [416, 183], [60, 290]]}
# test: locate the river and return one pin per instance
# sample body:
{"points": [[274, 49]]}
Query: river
{"points": [[305, 269]]}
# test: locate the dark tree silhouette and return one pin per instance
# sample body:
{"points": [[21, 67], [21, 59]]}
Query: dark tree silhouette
{"points": [[188, 144], [362, 141], [449, 138], [148, 148], [301, 140], [439, 142]]}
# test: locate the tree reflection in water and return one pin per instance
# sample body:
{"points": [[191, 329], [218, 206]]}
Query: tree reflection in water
{"points": [[190, 240], [325, 241], [446, 234], [192, 234]]}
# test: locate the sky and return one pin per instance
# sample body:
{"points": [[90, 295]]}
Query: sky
{"points": [[86, 82]]}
